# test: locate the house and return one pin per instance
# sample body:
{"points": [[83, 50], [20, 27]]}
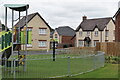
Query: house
{"points": [[91, 31], [62, 35], [117, 23], [40, 31]]}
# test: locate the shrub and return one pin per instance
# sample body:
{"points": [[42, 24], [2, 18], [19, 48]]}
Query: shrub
{"points": [[65, 46], [112, 59]]}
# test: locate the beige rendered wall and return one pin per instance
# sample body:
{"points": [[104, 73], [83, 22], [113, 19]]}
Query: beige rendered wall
{"points": [[111, 28], [37, 23]]}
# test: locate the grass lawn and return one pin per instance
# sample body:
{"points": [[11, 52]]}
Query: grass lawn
{"points": [[0, 73], [109, 71], [48, 68]]}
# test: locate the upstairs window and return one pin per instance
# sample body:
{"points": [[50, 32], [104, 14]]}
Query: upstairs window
{"points": [[42, 31], [56, 36], [80, 33], [96, 33], [88, 33], [106, 33]]}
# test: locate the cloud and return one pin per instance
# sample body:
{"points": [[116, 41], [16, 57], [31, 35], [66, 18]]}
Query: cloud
{"points": [[68, 12]]}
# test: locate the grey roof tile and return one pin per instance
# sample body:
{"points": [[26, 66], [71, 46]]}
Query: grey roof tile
{"points": [[65, 31], [90, 24], [21, 23]]}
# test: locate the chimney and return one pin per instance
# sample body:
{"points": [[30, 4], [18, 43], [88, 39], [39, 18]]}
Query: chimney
{"points": [[84, 18], [118, 4]]}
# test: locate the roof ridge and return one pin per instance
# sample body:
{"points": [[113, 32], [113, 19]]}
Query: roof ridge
{"points": [[63, 26], [33, 13], [99, 18]]}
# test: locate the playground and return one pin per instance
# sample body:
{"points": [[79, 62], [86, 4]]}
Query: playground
{"points": [[59, 64]]}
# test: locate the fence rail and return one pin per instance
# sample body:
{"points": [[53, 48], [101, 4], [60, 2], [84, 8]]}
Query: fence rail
{"points": [[62, 67]]}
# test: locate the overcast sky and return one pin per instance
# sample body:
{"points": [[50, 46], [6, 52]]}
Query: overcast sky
{"points": [[65, 12]]}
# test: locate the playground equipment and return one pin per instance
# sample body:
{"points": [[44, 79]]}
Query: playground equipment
{"points": [[13, 39]]}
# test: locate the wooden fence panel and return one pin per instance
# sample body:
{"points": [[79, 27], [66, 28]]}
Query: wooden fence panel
{"points": [[110, 48]]}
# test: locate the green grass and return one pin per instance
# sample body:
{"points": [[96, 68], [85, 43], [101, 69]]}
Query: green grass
{"points": [[48, 68], [109, 71], [0, 73]]}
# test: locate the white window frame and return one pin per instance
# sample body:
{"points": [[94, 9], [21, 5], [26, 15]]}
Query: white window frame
{"points": [[29, 45], [42, 44], [96, 33], [42, 31]]}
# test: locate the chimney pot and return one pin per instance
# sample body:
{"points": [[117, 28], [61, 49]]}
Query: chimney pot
{"points": [[84, 18]]}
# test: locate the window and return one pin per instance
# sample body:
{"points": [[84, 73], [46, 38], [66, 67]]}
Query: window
{"points": [[81, 43], [29, 45], [56, 36], [42, 31], [88, 33], [95, 42], [106, 33], [80, 33], [29, 29], [42, 44], [96, 33]]}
